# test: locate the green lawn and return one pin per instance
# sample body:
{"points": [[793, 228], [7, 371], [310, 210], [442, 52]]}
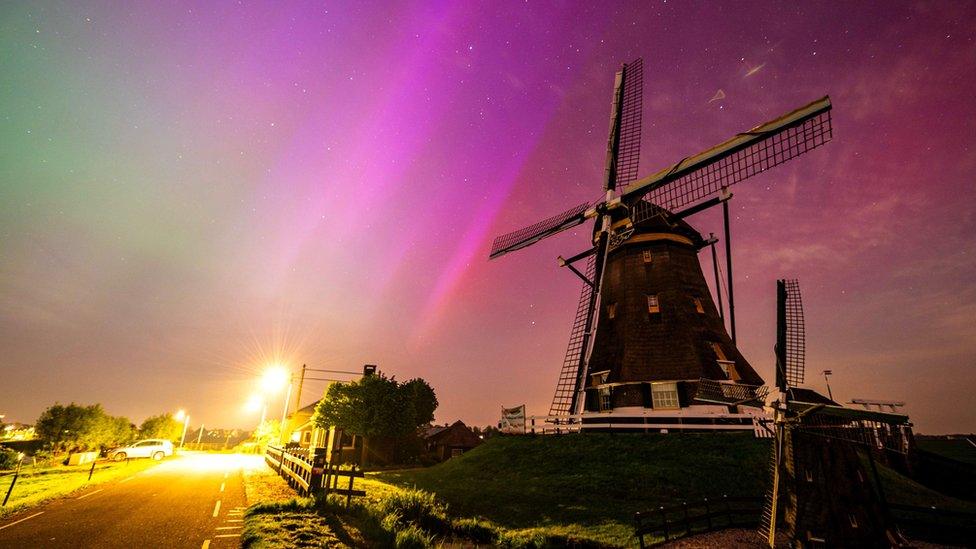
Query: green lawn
{"points": [[957, 449], [590, 486], [37, 486]]}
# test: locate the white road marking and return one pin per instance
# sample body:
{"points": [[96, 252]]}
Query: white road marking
{"points": [[90, 494], [127, 479], [216, 508], [222, 486], [234, 520], [206, 544], [229, 527], [227, 536], [21, 520]]}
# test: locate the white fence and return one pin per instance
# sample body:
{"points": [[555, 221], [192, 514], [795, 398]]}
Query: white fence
{"points": [[685, 421]]}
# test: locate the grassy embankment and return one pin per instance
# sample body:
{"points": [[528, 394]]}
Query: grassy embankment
{"points": [[36, 486], [542, 491]]}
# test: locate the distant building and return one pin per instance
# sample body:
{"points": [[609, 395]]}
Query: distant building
{"points": [[447, 441]]}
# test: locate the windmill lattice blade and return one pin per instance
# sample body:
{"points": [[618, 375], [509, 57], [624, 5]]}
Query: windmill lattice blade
{"points": [[795, 335], [569, 374], [745, 155], [631, 117], [533, 233]]}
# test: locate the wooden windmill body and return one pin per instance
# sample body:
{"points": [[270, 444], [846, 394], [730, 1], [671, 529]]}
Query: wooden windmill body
{"points": [[647, 333]]}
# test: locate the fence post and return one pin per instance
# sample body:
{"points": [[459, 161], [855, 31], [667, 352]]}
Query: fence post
{"points": [[352, 477], [638, 523], [728, 510], [684, 505], [664, 524], [92, 470], [708, 514]]}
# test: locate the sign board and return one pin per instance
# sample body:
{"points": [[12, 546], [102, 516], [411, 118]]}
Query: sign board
{"points": [[513, 420]]}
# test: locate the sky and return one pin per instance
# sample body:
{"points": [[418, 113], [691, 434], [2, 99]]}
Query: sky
{"points": [[192, 191]]}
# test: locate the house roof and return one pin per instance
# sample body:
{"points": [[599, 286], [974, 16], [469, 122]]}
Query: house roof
{"points": [[457, 434]]}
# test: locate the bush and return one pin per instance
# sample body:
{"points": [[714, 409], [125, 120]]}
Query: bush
{"points": [[418, 508], [8, 459]]}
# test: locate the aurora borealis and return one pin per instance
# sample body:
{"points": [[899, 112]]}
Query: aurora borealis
{"points": [[191, 191]]}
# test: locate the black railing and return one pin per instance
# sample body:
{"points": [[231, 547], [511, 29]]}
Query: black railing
{"points": [[669, 523]]}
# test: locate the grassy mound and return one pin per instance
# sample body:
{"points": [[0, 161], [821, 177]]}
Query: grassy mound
{"points": [[590, 485]]}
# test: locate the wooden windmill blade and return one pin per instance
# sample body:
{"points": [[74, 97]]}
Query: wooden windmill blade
{"points": [[790, 336], [699, 177], [527, 236], [626, 117], [566, 397]]}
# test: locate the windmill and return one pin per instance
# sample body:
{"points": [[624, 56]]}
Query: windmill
{"points": [[646, 329], [819, 483]]}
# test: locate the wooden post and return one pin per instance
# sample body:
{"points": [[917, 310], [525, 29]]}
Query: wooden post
{"points": [[708, 514], [684, 504], [92, 470], [349, 493], [664, 524], [638, 523]]}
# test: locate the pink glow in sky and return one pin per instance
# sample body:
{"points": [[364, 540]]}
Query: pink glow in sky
{"points": [[189, 192]]}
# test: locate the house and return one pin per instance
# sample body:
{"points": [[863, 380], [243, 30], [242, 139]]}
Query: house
{"points": [[447, 441], [301, 430]]}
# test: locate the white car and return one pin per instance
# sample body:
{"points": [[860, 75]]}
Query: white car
{"points": [[155, 448]]}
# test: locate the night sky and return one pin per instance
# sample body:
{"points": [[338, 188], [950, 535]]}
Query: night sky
{"points": [[188, 193]]}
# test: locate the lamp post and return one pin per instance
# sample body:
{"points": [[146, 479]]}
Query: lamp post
{"points": [[186, 423], [827, 374]]}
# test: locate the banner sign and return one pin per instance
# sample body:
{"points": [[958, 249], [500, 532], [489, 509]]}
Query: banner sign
{"points": [[513, 420]]}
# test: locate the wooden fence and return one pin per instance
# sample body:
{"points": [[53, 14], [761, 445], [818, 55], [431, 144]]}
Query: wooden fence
{"points": [[647, 423], [668, 523], [309, 472]]}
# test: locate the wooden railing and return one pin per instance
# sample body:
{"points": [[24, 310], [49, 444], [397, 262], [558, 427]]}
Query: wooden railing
{"points": [[309, 472], [668, 523], [647, 423]]}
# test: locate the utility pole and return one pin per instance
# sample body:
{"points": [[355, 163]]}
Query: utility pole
{"points": [[298, 394], [200, 436]]}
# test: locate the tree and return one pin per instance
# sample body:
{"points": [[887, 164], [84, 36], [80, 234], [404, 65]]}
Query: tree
{"points": [[381, 409], [161, 426], [269, 432], [75, 427]]}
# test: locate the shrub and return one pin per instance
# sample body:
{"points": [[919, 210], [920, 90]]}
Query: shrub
{"points": [[416, 507], [8, 459]]}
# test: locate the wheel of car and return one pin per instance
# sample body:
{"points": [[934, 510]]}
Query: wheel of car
{"points": [[158, 456], [120, 456]]}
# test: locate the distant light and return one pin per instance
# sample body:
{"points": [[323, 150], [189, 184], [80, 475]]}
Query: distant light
{"points": [[254, 403], [274, 379], [179, 415]]}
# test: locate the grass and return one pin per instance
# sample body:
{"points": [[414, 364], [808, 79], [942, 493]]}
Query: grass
{"points": [[579, 490], [589, 486], [277, 519], [957, 448], [34, 487]]}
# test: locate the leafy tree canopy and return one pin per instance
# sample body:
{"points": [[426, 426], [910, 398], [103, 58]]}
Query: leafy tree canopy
{"points": [[377, 406], [161, 426], [75, 427]]}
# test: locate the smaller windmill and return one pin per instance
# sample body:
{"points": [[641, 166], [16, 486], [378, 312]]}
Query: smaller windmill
{"points": [[820, 490]]}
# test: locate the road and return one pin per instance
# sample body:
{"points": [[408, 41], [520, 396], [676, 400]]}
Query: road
{"points": [[194, 501]]}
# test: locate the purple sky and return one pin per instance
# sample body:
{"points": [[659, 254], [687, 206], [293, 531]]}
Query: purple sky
{"points": [[190, 192]]}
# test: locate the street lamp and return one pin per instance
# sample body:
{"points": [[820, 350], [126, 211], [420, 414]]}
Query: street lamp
{"points": [[181, 414], [826, 374], [274, 378]]}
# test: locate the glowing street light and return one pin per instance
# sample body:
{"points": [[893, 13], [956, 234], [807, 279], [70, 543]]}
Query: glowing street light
{"points": [[274, 379], [182, 415]]}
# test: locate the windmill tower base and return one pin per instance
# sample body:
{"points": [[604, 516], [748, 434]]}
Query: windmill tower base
{"points": [[829, 497]]}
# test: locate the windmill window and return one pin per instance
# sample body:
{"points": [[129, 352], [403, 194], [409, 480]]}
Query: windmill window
{"points": [[647, 256], [664, 396], [653, 305], [612, 310], [698, 305]]}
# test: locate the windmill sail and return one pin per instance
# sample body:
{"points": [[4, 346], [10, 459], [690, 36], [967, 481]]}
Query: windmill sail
{"points": [[631, 117], [795, 335], [570, 374], [749, 153], [533, 233]]}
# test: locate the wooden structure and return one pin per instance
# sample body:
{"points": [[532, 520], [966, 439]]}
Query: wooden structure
{"points": [[447, 441], [315, 471], [646, 328]]}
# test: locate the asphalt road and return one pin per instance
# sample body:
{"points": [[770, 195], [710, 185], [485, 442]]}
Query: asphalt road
{"points": [[193, 501]]}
